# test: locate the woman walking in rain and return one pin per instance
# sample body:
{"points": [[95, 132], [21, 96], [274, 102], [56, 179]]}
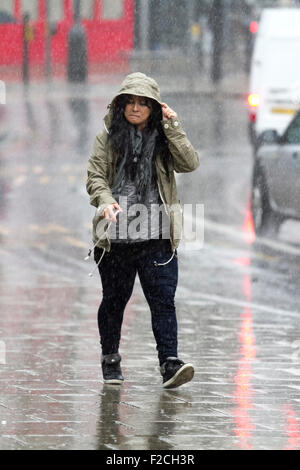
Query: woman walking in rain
{"points": [[130, 171]]}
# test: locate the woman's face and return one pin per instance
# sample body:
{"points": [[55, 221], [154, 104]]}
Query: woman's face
{"points": [[137, 111]]}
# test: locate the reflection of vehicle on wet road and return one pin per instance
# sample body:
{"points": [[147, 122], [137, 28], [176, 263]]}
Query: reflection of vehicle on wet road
{"points": [[274, 93], [276, 178]]}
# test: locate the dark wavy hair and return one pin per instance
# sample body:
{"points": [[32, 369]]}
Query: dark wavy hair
{"points": [[119, 129]]}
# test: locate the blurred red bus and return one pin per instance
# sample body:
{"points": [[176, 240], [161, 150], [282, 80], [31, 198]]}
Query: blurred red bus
{"points": [[109, 26]]}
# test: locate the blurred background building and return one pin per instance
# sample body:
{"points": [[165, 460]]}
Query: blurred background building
{"points": [[216, 35]]}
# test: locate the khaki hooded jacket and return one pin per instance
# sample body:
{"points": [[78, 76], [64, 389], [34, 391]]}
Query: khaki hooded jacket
{"points": [[102, 164]]}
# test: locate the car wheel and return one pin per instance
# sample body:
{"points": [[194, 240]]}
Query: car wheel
{"points": [[266, 221]]}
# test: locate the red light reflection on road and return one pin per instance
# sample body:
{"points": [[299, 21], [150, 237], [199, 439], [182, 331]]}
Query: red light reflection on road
{"points": [[243, 261], [248, 226], [243, 392], [292, 428]]}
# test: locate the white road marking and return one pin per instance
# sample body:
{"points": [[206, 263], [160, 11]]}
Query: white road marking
{"points": [[240, 303]]}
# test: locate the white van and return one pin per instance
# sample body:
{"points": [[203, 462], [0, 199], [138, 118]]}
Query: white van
{"points": [[274, 94]]}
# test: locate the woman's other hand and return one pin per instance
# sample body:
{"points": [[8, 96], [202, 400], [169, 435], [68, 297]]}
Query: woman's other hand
{"points": [[109, 212]]}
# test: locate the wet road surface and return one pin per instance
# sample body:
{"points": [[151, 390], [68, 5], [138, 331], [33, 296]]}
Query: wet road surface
{"points": [[238, 298]]}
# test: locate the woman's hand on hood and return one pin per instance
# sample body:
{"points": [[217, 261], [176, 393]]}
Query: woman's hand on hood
{"points": [[167, 112]]}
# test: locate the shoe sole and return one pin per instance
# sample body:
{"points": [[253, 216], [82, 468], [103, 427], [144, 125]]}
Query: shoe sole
{"points": [[113, 381], [182, 376]]}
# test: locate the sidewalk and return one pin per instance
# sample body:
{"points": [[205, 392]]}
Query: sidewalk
{"points": [[104, 86], [237, 301], [235, 86], [191, 81]]}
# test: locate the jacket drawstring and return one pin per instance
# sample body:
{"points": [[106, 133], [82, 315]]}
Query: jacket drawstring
{"points": [[156, 264], [91, 274], [105, 127], [91, 250]]}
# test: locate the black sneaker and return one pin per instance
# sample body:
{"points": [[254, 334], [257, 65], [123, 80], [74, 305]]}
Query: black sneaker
{"points": [[175, 372], [111, 369]]}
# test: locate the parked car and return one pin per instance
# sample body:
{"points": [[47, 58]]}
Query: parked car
{"points": [[276, 178], [274, 89]]}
